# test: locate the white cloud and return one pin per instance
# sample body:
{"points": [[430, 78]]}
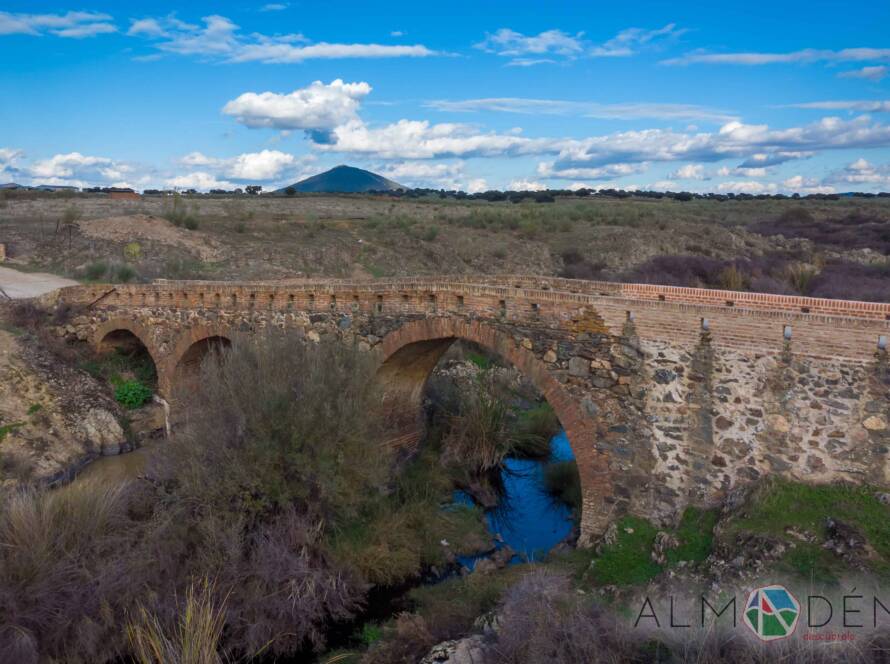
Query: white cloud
{"points": [[764, 159], [802, 185], [622, 111], [861, 105], [274, 7], [804, 55], [477, 185], [526, 185], [690, 172], [75, 165], [665, 185], [510, 43], [553, 45], [8, 159], [330, 114], [266, 165], [875, 73], [862, 172], [74, 25], [628, 41], [198, 180], [607, 172], [317, 108], [749, 187], [220, 39], [442, 175]]}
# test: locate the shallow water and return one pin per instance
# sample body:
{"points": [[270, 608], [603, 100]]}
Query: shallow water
{"points": [[528, 520], [118, 468]]}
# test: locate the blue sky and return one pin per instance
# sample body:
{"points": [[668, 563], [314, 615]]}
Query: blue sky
{"points": [[760, 97]]}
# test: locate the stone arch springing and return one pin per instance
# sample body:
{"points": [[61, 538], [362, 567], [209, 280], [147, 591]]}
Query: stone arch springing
{"points": [[409, 354]]}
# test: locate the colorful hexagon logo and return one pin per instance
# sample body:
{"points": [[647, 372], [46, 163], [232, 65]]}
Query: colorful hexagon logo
{"points": [[771, 612]]}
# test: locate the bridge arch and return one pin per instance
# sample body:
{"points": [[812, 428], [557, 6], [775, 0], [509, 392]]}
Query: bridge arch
{"points": [[129, 337], [190, 351], [408, 356]]}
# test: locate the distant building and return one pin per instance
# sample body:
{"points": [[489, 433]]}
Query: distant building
{"points": [[121, 194]]}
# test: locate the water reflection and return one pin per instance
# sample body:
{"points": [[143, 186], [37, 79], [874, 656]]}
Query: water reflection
{"points": [[528, 519]]}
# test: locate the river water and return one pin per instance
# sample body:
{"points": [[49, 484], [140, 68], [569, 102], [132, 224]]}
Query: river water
{"points": [[528, 519]]}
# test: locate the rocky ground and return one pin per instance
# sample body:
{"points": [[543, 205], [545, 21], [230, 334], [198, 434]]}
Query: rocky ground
{"points": [[55, 416]]}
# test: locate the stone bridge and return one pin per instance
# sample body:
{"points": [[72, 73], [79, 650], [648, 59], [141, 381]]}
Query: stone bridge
{"points": [[669, 396]]}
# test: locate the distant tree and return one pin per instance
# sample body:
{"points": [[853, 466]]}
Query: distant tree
{"points": [[68, 222], [253, 189], [290, 191]]}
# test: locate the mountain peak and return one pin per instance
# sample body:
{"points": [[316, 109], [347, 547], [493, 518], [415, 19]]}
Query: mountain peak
{"points": [[344, 179]]}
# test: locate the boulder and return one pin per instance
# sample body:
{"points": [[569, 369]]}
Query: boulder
{"points": [[101, 429]]}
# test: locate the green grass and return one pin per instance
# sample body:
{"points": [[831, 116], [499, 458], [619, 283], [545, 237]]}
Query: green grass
{"points": [[781, 504], [8, 428], [695, 535], [628, 560]]}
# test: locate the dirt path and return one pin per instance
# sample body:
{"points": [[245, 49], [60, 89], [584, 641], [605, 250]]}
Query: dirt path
{"points": [[18, 285]]}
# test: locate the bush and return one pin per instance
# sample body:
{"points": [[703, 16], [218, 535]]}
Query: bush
{"points": [[96, 271], [132, 393], [282, 449], [63, 577], [125, 273]]}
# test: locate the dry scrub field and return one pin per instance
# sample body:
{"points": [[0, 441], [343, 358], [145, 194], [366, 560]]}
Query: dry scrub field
{"points": [[821, 247]]}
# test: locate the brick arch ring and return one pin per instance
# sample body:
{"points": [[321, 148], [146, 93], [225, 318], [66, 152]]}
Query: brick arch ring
{"points": [[187, 339], [136, 329], [408, 355]]}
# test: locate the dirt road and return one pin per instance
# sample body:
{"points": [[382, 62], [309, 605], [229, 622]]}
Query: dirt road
{"points": [[18, 285]]}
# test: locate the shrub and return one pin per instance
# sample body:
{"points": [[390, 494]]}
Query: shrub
{"points": [[125, 273], [430, 234], [282, 449], [63, 576], [95, 271], [132, 393], [133, 251]]}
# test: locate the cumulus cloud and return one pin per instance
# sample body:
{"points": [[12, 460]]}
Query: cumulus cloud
{"points": [[802, 185], [442, 175], [874, 73], [526, 185], [317, 108], [477, 185], [220, 39], [78, 168], [767, 159], [200, 180], [265, 165], [330, 114], [749, 187], [803, 56], [554, 45], [274, 7], [608, 172], [690, 172], [73, 25], [623, 111], [862, 172]]}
